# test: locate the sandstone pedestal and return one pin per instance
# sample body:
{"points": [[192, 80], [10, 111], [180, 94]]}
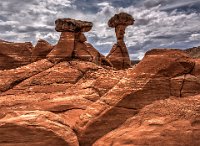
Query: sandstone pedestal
{"points": [[118, 55], [64, 48], [73, 45]]}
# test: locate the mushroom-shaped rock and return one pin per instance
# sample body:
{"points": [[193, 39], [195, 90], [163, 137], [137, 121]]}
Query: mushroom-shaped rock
{"points": [[65, 46], [73, 45], [118, 55], [72, 25]]}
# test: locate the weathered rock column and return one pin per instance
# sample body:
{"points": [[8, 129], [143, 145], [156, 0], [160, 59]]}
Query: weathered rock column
{"points": [[118, 55], [72, 43], [66, 44]]}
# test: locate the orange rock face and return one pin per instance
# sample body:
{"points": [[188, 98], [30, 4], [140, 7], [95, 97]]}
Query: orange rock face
{"points": [[13, 55], [147, 82], [41, 50], [165, 122], [78, 102], [35, 128], [64, 48]]}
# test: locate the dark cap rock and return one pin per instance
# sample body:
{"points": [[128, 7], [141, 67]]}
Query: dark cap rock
{"points": [[121, 19], [72, 25]]}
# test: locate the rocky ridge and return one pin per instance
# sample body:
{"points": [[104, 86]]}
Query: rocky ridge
{"points": [[193, 52], [81, 103]]}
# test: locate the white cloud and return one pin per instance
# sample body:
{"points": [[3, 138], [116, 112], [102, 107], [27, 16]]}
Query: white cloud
{"points": [[66, 3], [177, 4], [104, 4], [8, 22], [195, 37]]}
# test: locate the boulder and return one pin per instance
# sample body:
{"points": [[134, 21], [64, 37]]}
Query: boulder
{"points": [[121, 19], [35, 128]]}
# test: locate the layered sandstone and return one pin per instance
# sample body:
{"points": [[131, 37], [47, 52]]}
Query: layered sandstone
{"points": [[118, 55], [35, 128], [13, 55], [81, 103], [149, 81], [41, 50], [72, 43], [165, 122]]}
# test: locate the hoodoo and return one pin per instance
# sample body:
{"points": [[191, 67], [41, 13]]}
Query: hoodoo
{"points": [[118, 55], [72, 43]]}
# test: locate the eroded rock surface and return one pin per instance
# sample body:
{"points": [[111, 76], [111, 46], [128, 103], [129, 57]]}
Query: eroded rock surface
{"points": [[41, 50], [66, 88], [193, 52], [165, 122], [81, 103], [35, 128], [72, 43], [13, 55], [147, 82]]}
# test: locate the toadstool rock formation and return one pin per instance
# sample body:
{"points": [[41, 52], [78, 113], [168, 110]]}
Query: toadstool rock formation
{"points": [[70, 100], [118, 55], [72, 43]]}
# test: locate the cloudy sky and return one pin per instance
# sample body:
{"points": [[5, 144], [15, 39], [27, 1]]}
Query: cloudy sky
{"points": [[158, 23]]}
